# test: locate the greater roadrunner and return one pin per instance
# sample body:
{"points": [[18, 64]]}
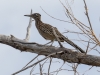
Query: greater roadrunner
{"points": [[46, 31]]}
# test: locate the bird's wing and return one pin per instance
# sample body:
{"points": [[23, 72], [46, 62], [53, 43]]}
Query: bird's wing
{"points": [[46, 28]]}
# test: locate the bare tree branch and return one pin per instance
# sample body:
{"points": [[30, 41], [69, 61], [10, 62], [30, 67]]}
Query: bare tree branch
{"points": [[28, 28], [62, 53]]}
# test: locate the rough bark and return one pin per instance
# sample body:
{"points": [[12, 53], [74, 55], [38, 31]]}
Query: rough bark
{"points": [[61, 53]]}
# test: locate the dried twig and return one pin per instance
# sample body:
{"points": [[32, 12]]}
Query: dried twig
{"points": [[86, 9], [74, 67], [68, 31], [83, 41], [72, 16], [85, 29], [87, 70], [49, 65], [40, 68], [45, 61], [32, 70], [60, 68], [30, 61], [87, 47], [54, 17], [36, 62], [91, 29]]}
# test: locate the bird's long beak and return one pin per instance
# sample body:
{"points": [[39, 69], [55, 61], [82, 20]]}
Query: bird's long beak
{"points": [[28, 15]]}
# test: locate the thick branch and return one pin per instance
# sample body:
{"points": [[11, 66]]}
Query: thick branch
{"points": [[62, 53]]}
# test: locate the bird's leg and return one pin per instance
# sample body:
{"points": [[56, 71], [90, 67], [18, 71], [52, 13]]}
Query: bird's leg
{"points": [[56, 36], [50, 42]]}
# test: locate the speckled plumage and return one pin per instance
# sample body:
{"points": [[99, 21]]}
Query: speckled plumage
{"points": [[46, 31]]}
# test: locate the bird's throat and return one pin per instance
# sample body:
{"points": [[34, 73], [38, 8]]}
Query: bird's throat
{"points": [[38, 21]]}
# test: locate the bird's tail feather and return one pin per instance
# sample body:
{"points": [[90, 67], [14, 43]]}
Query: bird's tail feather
{"points": [[72, 44]]}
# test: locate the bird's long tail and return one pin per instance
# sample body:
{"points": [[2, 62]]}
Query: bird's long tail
{"points": [[72, 44]]}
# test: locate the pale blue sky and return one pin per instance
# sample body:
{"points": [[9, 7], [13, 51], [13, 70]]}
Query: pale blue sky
{"points": [[13, 21]]}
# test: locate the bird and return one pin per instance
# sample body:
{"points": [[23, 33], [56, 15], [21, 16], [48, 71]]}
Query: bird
{"points": [[46, 31]]}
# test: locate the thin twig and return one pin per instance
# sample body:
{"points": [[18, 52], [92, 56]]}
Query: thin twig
{"points": [[86, 9], [45, 61], [66, 1], [54, 17], [30, 61], [72, 16], [83, 41], [40, 68], [68, 31], [32, 70], [49, 65], [74, 67], [97, 51], [87, 70], [87, 47], [79, 24], [60, 68], [93, 47], [36, 62], [91, 29]]}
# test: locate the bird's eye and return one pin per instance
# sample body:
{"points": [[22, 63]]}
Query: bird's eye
{"points": [[36, 14]]}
